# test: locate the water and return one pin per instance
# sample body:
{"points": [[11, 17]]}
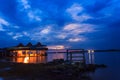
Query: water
{"points": [[51, 56], [1, 78], [38, 59], [111, 59]]}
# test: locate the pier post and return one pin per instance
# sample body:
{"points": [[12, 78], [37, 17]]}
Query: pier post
{"points": [[67, 55], [89, 54], [70, 57], [92, 60], [84, 57]]}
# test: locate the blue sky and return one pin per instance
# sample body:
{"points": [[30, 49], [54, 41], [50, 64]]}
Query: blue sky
{"points": [[89, 24]]}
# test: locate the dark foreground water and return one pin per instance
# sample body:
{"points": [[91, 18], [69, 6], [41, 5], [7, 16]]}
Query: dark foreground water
{"points": [[111, 59]]}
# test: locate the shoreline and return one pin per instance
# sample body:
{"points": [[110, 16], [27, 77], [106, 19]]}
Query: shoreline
{"points": [[48, 71]]}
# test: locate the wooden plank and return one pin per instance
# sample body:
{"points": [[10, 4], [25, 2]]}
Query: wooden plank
{"points": [[76, 56], [72, 55], [79, 60]]}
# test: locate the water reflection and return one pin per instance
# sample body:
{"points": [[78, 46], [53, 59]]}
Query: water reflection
{"points": [[27, 59], [38, 59], [53, 56], [1, 78], [42, 59], [112, 60]]}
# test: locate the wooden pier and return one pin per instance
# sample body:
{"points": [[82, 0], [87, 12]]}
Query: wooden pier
{"points": [[73, 55], [76, 55]]}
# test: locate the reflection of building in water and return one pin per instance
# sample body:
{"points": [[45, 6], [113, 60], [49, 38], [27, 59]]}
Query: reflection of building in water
{"points": [[28, 59], [28, 50]]}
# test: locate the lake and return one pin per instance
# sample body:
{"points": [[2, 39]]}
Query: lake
{"points": [[110, 59], [38, 59]]}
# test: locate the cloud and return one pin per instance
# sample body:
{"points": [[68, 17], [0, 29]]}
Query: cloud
{"points": [[24, 5], [10, 33], [17, 27], [26, 33], [62, 35], [77, 13], [39, 33], [77, 39], [71, 27], [76, 28], [1, 28], [3, 22], [74, 32], [71, 32], [32, 14], [56, 47], [17, 35], [73, 22], [75, 9], [46, 30]]}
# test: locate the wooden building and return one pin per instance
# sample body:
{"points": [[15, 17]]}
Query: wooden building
{"points": [[28, 50]]}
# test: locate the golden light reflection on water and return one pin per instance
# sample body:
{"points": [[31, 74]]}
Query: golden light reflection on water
{"points": [[38, 59], [27, 59]]}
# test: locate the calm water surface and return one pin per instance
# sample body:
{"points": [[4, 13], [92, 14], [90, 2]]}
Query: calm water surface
{"points": [[38, 59], [111, 59]]}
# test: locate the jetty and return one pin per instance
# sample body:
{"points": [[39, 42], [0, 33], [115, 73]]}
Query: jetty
{"points": [[72, 55]]}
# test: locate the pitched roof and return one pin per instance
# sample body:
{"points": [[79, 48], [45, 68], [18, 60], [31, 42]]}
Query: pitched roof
{"points": [[38, 44], [29, 44], [20, 45]]}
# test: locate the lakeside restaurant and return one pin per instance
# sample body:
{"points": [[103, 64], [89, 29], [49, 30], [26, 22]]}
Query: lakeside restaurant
{"points": [[28, 50]]}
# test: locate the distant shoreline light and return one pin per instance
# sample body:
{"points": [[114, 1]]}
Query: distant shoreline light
{"points": [[91, 51]]}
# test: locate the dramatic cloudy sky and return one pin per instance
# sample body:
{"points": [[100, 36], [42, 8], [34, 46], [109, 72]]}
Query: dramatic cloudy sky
{"points": [[89, 24]]}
